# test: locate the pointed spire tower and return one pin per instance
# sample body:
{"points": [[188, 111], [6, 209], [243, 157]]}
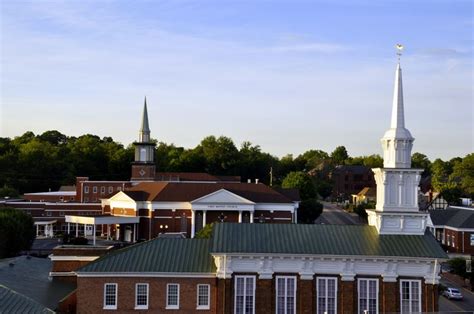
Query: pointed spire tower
{"points": [[143, 168], [397, 210]]}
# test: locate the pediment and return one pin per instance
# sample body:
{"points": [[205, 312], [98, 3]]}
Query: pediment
{"points": [[222, 196], [121, 197]]}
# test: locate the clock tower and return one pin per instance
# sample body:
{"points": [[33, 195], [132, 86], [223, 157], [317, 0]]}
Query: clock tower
{"points": [[143, 168]]}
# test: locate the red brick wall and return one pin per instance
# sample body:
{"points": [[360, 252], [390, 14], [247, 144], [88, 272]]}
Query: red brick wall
{"points": [[90, 294]]}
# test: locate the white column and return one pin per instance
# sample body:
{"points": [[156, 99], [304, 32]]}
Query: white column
{"points": [[68, 228], [93, 234], [134, 232], [240, 216], [108, 232], [37, 230], [296, 216], [193, 223], [251, 217], [204, 218], [77, 229]]}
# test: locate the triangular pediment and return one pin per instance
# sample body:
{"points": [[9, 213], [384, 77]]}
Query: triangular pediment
{"points": [[222, 196], [121, 197]]}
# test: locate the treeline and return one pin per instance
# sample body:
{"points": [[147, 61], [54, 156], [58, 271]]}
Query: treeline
{"points": [[31, 163]]}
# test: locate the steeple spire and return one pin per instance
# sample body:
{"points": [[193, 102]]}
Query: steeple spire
{"points": [[397, 141], [398, 115], [144, 134]]}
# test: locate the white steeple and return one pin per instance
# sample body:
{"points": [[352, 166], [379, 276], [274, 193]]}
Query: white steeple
{"points": [[397, 141], [144, 133], [397, 210]]}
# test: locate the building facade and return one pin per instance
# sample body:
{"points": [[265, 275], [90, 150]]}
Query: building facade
{"points": [[391, 265]]}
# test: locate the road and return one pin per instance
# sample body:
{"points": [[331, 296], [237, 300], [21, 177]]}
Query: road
{"points": [[452, 306], [333, 215]]}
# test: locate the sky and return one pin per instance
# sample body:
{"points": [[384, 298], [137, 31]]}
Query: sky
{"points": [[286, 75]]}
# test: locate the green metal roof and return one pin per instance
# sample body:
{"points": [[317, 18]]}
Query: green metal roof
{"points": [[158, 255], [13, 302], [342, 240]]}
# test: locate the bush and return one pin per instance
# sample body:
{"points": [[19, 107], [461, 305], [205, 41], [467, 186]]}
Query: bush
{"points": [[17, 231], [205, 233]]}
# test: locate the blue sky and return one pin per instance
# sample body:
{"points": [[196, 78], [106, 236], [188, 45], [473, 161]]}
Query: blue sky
{"points": [[287, 75]]}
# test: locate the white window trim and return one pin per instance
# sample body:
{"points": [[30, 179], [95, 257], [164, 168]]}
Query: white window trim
{"points": [[142, 307], [203, 307], [317, 296], [419, 293], [111, 307], [94, 189], [253, 292], [286, 287], [173, 306], [86, 190], [376, 293]]}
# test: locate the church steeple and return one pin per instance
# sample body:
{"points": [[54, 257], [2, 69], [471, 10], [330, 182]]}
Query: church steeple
{"points": [[144, 134], [397, 211], [143, 168], [397, 141]]}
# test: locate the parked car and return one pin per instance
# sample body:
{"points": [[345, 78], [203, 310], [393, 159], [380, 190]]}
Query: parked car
{"points": [[453, 293]]}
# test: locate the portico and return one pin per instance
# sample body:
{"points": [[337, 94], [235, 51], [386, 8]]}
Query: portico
{"points": [[108, 220], [47, 228]]}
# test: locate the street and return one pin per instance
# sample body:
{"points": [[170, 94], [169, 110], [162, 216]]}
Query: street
{"points": [[333, 215], [454, 306]]}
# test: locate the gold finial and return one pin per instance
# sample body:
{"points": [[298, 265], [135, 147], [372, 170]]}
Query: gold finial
{"points": [[399, 51]]}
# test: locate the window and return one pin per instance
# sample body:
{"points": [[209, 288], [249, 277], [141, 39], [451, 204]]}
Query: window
{"points": [[102, 190], [172, 296], [326, 295], [141, 296], [86, 189], [94, 189], [368, 290], [110, 296], [119, 188], [203, 297], [111, 189], [244, 301], [410, 295], [285, 295]]}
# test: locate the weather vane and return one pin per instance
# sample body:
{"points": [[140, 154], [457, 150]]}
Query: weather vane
{"points": [[399, 51]]}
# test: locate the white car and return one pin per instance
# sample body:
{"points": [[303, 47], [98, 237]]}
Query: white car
{"points": [[453, 293]]}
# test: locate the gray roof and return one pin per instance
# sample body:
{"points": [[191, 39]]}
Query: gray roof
{"points": [[453, 217], [158, 255], [13, 302], [342, 240]]}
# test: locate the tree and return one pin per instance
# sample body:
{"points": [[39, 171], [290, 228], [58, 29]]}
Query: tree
{"points": [[420, 161], [458, 266], [463, 175], [339, 155], [205, 233], [309, 210], [7, 191], [301, 181], [18, 232]]}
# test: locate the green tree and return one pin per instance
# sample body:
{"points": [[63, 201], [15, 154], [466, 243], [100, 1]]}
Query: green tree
{"points": [[220, 154], [205, 233], [309, 210], [420, 161], [18, 232], [7, 191], [301, 181], [458, 266], [339, 155], [463, 175]]}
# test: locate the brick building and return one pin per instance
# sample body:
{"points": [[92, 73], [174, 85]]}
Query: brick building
{"points": [[152, 203], [391, 265], [453, 227], [267, 268], [351, 179]]}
